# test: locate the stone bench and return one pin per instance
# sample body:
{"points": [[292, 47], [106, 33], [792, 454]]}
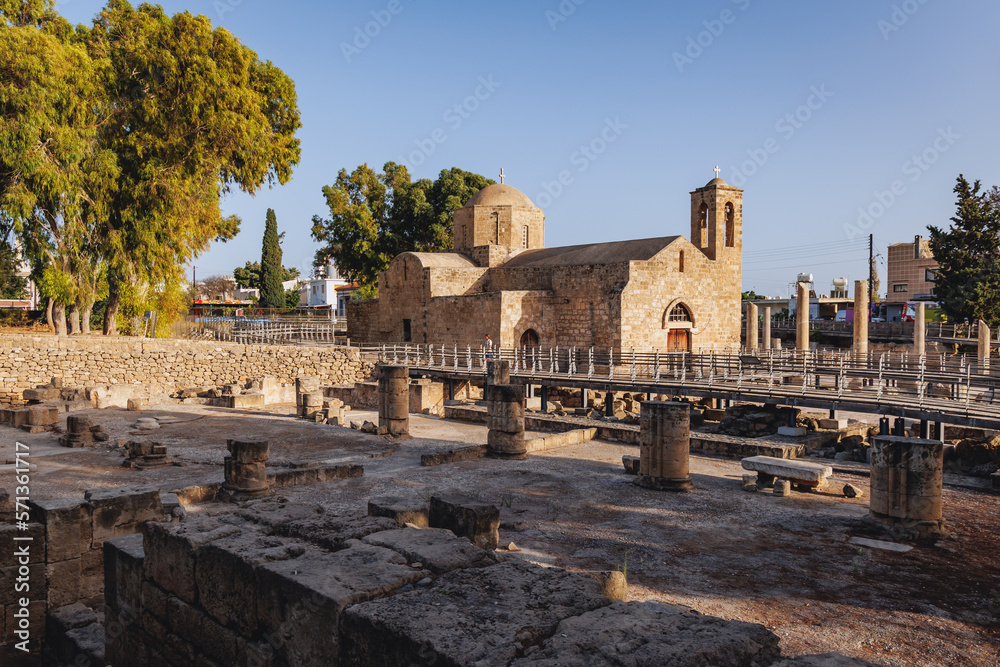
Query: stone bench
{"points": [[802, 473]]}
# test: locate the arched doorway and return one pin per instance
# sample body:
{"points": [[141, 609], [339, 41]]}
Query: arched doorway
{"points": [[678, 324], [529, 339]]}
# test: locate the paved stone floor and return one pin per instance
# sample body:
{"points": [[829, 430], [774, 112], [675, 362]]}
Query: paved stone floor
{"points": [[784, 562]]}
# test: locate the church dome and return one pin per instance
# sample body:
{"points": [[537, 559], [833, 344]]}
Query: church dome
{"points": [[500, 194], [716, 181]]}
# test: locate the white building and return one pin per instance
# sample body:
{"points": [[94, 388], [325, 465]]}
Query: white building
{"points": [[321, 290]]}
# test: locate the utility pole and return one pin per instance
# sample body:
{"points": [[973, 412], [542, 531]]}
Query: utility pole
{"points": [[871, 272]]}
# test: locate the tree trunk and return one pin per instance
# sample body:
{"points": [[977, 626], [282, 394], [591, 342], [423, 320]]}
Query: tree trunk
{"points": [[74, 319], [111, 312], [85, 318], [59, 317], [48, 316]]}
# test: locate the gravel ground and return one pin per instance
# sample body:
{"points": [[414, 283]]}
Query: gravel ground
{"points": [[784, 562]]}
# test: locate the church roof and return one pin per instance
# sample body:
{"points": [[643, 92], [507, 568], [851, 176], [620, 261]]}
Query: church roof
{"points": [[614, 252], [443, 260], [500, 194]]}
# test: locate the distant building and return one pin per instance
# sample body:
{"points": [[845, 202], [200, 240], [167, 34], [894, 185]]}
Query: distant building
{"points": [[911, 272], [321, 291], [344, 294]]}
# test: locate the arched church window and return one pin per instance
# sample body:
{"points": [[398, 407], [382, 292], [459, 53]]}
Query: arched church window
{"points": [[730, 225], [679, 313], [529, 339]]}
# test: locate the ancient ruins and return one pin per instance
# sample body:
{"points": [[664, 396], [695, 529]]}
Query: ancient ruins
{"points": [[666, 497]]}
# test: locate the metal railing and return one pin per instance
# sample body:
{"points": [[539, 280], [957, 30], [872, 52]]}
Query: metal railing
{"points": [[263, 330]]}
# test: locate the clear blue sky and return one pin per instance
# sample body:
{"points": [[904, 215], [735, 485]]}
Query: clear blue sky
{"points": [[886, 81]]}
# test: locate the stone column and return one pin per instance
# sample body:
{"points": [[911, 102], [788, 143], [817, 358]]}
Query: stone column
{"points": [[498, 371], [505, 419], [304, 385], [919, 331], [984, 347], [751, 326], [766, 333], [861, 317], [665, 446], [802, 319], [78, 432], [906, 478], [246, 474], [394, 400]]}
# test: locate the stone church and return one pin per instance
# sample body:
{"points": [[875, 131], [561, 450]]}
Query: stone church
{"points": [[669, 293]]}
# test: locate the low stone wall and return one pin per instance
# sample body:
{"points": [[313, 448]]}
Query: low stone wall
{"points": [[156, 367]]}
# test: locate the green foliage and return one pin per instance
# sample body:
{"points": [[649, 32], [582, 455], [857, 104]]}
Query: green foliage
{"points": [[365, 293], [968, 255], [248, 276], [376, 216], [12, 286], [291, 299], [752, 296], [272, 294]]}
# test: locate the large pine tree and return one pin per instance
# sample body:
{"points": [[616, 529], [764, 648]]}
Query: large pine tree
{"points": [[272, 294], [968, 254]]}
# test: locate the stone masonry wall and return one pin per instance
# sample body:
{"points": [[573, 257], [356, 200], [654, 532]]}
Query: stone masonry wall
{"points": [[162, 365]]}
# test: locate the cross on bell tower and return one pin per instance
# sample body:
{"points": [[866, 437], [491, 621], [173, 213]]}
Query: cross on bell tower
{"points": [[717, 171], [501, 175]]}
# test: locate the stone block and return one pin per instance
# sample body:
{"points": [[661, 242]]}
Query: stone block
{"points": [[204, 633], [749, 482], [244, 401], [793, 431], [436, 549], [42, 415], [63, 582], [301, 600], [401, 510], [8, 531], [852, 491], [651, 633], [782, 487], [172, 548], [467, 517], [790, 468], [123, 574], [225, 579], [117, 511], [631, 464], [486, 616], [136, 404], [39, 394], [833, 424], [8, 580], [61, 519]]}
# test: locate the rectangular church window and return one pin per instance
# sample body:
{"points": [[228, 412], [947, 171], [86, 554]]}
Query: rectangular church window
{"points": [[407, 334], [524, 237], [680, 262]]}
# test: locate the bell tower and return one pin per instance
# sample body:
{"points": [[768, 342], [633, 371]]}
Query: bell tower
{"points": [[717, 220]]}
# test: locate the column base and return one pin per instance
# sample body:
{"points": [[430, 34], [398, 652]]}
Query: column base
{"points": [[906, 529], [665, 484]]}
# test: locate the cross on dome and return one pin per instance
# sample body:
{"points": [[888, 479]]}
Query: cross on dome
{"points": [[501, 175], [717, 171]]}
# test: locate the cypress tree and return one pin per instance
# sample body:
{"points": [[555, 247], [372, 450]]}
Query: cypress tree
{"points": [[272, 294]]}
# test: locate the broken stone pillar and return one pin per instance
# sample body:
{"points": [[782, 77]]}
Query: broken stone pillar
{"points": [[984, 347], [304, 385], [394, 400], [919, 331], [143, 454], [498, 371], [751, 326], [664, 445], [311, 404], [906, 479], [861, 318], [246, 474], [766, 334], [505, 419], [78, 432], [802, 318], [467, 517]]}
